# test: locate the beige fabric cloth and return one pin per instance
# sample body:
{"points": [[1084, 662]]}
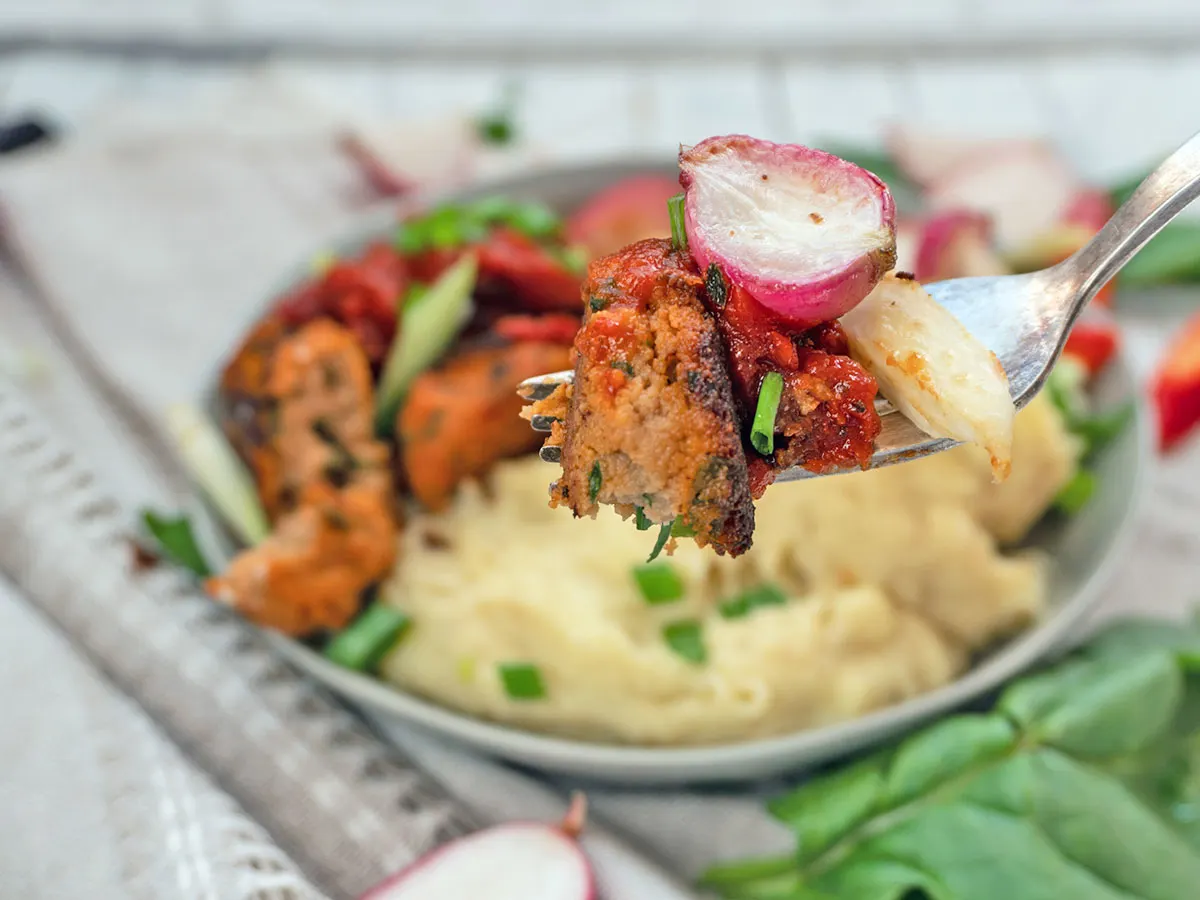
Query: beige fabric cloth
{"points": [[148, 257]]}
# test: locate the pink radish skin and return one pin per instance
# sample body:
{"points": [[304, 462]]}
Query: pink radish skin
{"points": [[805, 233], [957, 244], [514, 861], [927, 156]]}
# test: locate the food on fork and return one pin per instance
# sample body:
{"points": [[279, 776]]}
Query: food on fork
{"points": [[756, 340]]}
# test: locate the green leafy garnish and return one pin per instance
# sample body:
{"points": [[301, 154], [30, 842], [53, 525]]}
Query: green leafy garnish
{"points": [[595, 481], [1171, 257], [177, 541], [680, 528], [686, 639], [748, 601], [498, 126], [678, 231], [1082, 781], [639, 517], [428, 326], [522, 681], [363, 643], [762, 430], [454, 225], [664, 535], [658, 582], [715, 286], [1074, 495], [574, 258]]}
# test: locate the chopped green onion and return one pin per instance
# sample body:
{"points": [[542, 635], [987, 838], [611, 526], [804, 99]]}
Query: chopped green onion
{"points": [[680, 528], [496, 128], [622, 365], [534, 220], [428, 326], [658, 582], [664, 534], [177, 541], [410, 237], [595, 304], [522, 681], [595, 481], [218, 471], [574, 258], [639, 516], [1075, 494], [678, 232], [492, 209], [715, 286], [1100, 429], [762, 431], [686, 639], [749, 600], [444, 228], [363, 643]]}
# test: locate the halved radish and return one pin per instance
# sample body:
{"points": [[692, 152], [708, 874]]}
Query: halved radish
{"points": [[804, 232], [957, 244], [932, 369], [514, 861], [630, 210], [1024, 187]]}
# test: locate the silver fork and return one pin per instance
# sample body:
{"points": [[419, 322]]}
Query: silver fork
{"points": [[1023, 319]]}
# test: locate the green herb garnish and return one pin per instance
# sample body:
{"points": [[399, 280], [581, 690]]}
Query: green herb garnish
{"points": [[595, 481], [658, 582], [1075, 494], [622, 365], [574, 258], [639, 517], [686, 639], [747, 601], [363, 643], [177, 541], [715, 286], [595, 304], [678, 231], [664, 535], [1082, 781], [522, 681], [762, 431], [680, 528]]}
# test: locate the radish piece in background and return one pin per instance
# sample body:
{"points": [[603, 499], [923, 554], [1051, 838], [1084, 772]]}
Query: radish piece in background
{"points": [[932, 369], [514, 861], [628, 211], [957, 244], [925, 156], [1024, 187], [804, 232], [908, 242]]}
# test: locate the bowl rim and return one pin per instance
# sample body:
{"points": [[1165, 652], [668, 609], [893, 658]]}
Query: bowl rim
{"points": [[522, 745]]}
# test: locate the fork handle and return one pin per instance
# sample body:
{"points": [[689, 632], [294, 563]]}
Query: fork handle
{"points": [[1157, 200]]}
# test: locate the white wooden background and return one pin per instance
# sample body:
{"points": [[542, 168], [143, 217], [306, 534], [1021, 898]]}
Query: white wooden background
{"points": [[1114, 83]]}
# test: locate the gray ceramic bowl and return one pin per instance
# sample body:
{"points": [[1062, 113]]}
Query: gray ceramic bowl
{"points": [[1085, 550]]}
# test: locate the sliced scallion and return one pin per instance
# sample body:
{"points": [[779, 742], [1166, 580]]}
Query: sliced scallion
{"points": [[715, 286], [762, 431], [747, 601], [686, 639], [363, 643], [177, 541], [1075, 494], [522, 681], [595, 481], [534, 220], [658, 582], [664, 535], [428, 326], [639, 516], [680, 528], [678, 232]]}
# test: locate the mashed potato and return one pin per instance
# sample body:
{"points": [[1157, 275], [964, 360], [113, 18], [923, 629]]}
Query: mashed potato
{"points": [[894, 579]]}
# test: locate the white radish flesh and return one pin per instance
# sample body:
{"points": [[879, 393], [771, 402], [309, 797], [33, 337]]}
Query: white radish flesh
{"points": [[804, 232], [515, 861], [932, 369]]}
